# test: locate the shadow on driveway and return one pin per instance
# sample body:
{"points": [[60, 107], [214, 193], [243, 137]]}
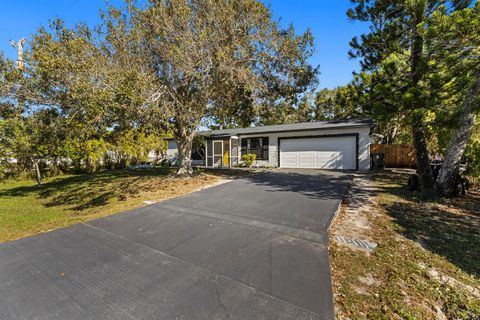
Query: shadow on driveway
{"points": [[316, 184]]}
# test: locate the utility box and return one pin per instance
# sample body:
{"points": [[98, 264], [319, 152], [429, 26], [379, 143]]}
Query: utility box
{"points": [[377, 161]]}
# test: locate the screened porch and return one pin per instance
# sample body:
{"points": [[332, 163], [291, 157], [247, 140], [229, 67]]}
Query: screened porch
{"points": [[222, 151]]}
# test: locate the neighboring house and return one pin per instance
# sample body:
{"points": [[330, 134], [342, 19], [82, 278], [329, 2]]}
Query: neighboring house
{"points": [[8, 160], [342, 144]]}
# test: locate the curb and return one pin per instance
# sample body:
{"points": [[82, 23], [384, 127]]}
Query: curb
{"points": [[337, 211]]}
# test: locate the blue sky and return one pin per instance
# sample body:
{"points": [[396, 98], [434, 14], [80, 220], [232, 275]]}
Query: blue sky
{"points": [[326, 19]]}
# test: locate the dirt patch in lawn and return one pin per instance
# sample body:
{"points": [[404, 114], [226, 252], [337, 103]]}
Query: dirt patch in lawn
{"points": [[27, 209], [426, 265], [353, 220]]}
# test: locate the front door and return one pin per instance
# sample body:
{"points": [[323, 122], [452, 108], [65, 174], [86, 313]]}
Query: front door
{"points": [[226, 153], [217, 153]]}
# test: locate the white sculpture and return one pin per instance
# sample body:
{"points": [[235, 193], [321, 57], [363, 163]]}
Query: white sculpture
{"points": [[19, 45]]}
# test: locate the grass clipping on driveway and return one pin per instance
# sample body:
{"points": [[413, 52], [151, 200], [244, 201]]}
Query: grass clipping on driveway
{"points": [[426, 265], [27, 209]]}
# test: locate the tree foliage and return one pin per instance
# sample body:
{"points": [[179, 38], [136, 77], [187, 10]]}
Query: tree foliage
{"points": [[97, 96], [62, 109], [394, 48], [103, 97], [453, 42], [227, 61]]}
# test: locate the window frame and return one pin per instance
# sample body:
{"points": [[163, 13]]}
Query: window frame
{"points": [[262, 150]]}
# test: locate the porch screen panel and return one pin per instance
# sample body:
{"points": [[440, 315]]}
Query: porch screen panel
{"points": [[217, 153], [234, 152], [209, 153]]}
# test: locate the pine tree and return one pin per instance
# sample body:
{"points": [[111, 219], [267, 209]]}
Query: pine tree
{"points": [[398, 27]]}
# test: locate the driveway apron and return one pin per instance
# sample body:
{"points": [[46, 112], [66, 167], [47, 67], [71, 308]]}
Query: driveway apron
{"points": [[253, 248]]}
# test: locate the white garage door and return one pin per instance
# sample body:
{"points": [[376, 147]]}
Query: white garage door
{"points": [[319, 153]]}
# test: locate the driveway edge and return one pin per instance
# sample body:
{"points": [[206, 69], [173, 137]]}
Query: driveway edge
{"points": [[327, 236]]}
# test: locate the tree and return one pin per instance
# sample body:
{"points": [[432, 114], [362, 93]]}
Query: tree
{"points": [[20, 140], [454, 45], [159, 68], [31, 140], [343, 102], [210, 58], [74, 100], [472, 153], [398, 27], [370, 95]]}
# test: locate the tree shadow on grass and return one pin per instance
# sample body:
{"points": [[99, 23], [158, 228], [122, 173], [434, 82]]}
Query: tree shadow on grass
{"points": [[85, 191], [449, 228]]}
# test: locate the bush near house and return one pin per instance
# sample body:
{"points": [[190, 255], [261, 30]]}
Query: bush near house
{"points": [[249, 159]]}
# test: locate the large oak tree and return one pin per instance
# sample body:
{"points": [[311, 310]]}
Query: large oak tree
{"points": [[223, 60]]}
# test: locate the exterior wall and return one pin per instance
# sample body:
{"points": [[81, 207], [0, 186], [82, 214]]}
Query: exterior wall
{"points": [[171, 148], [363, 143], [172, 152]]}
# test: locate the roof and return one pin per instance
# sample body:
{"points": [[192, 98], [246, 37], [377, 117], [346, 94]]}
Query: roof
{"points": [[315, 125]]}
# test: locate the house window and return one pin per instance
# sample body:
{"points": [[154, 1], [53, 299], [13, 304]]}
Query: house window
{"points": [[257, 146]]}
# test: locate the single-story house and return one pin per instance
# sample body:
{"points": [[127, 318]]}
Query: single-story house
{"points": [[341, 145]]}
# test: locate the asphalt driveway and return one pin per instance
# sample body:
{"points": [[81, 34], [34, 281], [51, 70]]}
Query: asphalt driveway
{"points": [[254, 248]]}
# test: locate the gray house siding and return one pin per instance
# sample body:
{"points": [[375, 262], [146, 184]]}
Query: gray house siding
{"points": [[362, 135], [273, 138]]}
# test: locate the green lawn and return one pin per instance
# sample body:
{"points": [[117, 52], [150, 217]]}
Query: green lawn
{"points": [[27, 209], [427, 263]]}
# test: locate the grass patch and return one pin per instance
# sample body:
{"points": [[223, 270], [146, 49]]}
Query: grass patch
{"points": [[427, 264], [27, 209]]}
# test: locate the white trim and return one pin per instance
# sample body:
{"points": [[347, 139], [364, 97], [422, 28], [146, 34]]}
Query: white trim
{"points": [[230, 154], [206, 154]]}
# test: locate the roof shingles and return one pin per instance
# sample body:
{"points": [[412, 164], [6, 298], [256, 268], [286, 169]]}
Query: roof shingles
{"points": [[316, 125]]}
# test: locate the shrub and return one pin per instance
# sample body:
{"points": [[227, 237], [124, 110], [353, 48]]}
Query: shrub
{"points": [[472, 155], [248, 159]]}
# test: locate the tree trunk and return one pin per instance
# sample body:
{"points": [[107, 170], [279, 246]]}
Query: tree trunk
{"points": [[447, 179], [38, 175], [423, 161], [184, 146], [392, 131], [418, 130]]}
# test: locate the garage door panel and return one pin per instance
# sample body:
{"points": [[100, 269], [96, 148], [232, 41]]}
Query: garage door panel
{"points": [[321, 153], [326, 160], [290, 160], [306, 160]]}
